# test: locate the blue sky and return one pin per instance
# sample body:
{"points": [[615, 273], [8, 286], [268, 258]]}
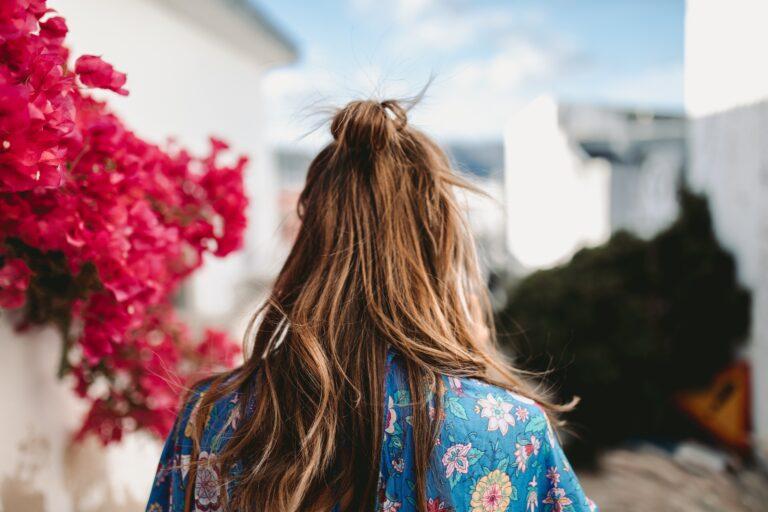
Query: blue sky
{"points": [[488, 58]]}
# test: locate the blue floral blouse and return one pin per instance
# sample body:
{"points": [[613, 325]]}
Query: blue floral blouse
{"points": [[496, 452]]}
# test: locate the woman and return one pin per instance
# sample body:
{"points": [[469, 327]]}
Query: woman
{"points": [[372, 381]]}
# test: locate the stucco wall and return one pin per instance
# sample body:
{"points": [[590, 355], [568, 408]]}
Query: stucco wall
{"points": [[41, 469]]}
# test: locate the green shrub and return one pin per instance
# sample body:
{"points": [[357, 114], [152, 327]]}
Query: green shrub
{"points": [[628, 324]]}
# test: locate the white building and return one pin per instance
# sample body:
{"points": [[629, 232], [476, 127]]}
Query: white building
{"points": [[726, 96], [194, 69], [574, 174]]}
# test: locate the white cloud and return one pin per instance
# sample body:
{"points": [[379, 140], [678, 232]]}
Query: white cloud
{"points": [[470, 98], [404, 11], [449, 29], [475, 99]]}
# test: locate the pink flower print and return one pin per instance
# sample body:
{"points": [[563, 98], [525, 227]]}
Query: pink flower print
{"points": [[521, 413], [390, 506], [557, 498], [535, 445], [498, 413], [391, 416], [455, 459], [524, 451], [207, 484], [456, 386], [436, 505], [398, 464], [521, 456], [553, 476]]}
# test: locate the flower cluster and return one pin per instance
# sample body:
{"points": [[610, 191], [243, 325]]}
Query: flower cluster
{"points": [[99, 227]]}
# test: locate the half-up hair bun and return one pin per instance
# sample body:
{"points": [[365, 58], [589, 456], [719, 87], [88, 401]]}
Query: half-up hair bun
{"points": [[368, 125]]}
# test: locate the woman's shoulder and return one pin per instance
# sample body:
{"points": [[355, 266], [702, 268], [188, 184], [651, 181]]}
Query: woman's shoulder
{"points": [[489, 411], [214, 421], [494, 446]]}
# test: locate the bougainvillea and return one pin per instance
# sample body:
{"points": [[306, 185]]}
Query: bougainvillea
{"points": [[98, 228]]}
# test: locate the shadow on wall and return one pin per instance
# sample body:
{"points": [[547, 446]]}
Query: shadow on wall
{"points": [[85, 479]]}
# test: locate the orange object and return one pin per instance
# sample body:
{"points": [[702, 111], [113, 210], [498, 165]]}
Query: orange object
{"points": [[723, 409]]}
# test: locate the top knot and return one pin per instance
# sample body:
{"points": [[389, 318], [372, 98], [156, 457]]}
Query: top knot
{"points": [[368, 125]]}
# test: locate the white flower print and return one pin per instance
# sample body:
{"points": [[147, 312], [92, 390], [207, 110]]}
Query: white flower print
{"points": [[498, 413], [455, 459], [532, 500], [184, 465], [521, 413]]}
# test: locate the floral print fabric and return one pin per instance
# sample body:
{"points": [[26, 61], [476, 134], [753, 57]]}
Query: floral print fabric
{"points": [[496, 452]]}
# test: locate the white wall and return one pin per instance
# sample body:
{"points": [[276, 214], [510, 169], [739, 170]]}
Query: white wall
{"points": [[726, 86], [725, 44], [644, 197], [40, 468]]}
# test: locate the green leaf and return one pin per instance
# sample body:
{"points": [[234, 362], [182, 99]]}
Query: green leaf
{"points": [[536, 424], [474, 455], [454, 406]]}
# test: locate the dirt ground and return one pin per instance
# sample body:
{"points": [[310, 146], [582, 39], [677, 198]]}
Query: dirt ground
{"points": [[649, 479]]}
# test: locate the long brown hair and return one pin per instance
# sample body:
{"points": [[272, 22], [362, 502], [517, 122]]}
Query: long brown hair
{"points": [[383, 260]]}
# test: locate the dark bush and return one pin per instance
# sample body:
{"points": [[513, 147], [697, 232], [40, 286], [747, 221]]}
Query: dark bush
{"points": [[627, 325]]}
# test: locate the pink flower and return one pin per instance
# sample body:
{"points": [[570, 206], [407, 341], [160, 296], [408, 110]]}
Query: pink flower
{"points": [[217, 348], [521, 413], [94, 72], [85, 200], [455, 459], [14, 280], [498, 413]]}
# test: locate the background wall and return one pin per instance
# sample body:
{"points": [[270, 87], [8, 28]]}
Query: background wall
{"points": [[726, 96]]}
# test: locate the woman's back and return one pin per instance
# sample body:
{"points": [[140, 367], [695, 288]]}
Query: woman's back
{"points": [[321, 414], [496, 451]]}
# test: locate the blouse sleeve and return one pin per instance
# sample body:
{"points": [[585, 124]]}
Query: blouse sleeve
{"points": [[168, 487], [554, 484]]}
